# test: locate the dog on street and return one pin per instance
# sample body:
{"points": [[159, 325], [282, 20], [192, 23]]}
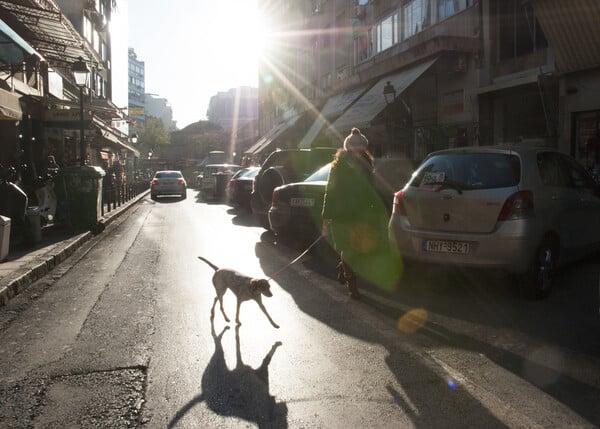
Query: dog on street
{"points": [[244, 288]]}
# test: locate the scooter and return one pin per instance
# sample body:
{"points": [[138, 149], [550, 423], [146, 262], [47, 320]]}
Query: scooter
{"points": [[46, 198], [13, 203]]}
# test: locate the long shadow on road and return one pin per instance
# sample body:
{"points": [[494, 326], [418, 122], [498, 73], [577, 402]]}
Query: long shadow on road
{"points": [[239, 392], [568, 319]]}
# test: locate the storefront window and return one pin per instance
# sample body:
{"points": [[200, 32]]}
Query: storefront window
{"points": [[587, 138]]}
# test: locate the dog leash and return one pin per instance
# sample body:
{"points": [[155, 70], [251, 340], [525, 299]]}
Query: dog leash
{"points": [[297, 258]]}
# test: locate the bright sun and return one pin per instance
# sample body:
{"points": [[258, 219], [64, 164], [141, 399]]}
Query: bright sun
{"points": [[242, 36]]}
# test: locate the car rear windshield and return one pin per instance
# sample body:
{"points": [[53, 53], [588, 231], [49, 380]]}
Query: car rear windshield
{"points": [[299, 163], [321, 175], [469, 170], [168, 174]]}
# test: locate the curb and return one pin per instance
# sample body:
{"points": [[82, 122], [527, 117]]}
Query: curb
{"points": [[53, 259]]}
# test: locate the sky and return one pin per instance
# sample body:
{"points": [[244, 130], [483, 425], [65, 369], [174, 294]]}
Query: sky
{"points": [[193, 49]]}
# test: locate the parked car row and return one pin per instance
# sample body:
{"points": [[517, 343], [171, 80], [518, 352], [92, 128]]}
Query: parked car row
{"points": [[525, 210]]}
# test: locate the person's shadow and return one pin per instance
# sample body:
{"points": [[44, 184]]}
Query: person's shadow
{"points": [[242, 392]]}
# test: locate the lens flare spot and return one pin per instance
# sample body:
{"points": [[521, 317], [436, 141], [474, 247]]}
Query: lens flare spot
{"points": [[412, 321], [451, 383]]}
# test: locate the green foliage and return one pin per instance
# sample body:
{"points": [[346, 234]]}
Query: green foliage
{"points": [[153, 134]]}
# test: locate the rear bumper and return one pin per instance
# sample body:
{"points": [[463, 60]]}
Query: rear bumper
{"points": [[510, 247], [282, 222]]}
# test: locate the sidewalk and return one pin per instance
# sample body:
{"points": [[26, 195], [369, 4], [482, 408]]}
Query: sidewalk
{"points": [[25, 265]]}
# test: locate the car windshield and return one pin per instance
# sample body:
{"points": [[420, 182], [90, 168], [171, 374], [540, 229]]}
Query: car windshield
{"points": [[251, 172], [321, 175], [469, 171]]}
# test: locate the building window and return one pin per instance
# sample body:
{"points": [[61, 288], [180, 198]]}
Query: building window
{"points": [[448, 8], [417, 15], [87, 29], [96, 41], [519, 31], [387, 33]]}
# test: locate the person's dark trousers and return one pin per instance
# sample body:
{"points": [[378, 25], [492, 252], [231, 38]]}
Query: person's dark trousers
{"points": [[347, 276]]}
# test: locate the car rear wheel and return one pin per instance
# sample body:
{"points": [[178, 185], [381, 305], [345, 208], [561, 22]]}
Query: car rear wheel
{"points": [[538, 281], [271, 179], [153, 196]]}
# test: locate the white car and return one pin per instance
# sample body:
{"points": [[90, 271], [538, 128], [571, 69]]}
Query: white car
{"points": [[526, 210]]}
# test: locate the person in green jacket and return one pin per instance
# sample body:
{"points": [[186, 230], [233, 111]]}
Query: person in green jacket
{"points": [[355, 219]]}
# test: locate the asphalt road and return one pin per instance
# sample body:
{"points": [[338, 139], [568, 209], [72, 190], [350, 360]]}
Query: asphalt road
{"points": [[120, 335]]}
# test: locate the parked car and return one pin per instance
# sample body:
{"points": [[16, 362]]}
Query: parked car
{"points": [[239, 187], [168, 182], [296, 207], [526, 210], [392, 174], [215, 178], [280, 168]]}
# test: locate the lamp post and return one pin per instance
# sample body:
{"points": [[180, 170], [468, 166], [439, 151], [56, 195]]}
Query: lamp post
{"points": [[389, 93], [81, 74]]}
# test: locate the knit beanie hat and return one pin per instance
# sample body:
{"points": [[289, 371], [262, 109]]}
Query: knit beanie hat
{"points": [[355, 141]]}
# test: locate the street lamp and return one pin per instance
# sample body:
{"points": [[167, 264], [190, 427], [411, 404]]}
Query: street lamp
{"points": [[81, 74], [389, 93]]}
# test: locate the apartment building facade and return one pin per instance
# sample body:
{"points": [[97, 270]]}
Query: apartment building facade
{"points": [[136, 89], [461, 72]]}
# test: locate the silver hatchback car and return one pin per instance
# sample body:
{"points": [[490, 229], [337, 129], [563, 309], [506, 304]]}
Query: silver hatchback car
{"points": [[526, 210]]}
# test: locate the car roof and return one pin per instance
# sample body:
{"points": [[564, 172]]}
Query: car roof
{"points": [[522, 150], [223, 165]]}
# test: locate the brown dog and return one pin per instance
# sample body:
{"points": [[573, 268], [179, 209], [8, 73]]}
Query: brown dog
{"points": [[244, 287]]}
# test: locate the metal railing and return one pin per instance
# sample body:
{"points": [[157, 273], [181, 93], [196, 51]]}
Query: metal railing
{"points": [[116, 195]]}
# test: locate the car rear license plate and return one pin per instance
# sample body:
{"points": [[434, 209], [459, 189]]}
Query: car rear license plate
{"points": [[302, 202], [444, 246]]}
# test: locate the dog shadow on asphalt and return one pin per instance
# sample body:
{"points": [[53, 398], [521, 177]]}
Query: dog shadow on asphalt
{"points": [[241, 392]]}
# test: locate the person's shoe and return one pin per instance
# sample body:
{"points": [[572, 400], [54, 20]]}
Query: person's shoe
{"points": [[340, 274], [352, 289]]}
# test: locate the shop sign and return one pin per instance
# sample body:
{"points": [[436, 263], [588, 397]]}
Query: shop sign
{"points": [[66, 118], [453, 102]]}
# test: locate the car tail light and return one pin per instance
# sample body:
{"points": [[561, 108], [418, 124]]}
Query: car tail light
{"points": [[518, 206], [398, 206], [154, 182], [181, 182]]}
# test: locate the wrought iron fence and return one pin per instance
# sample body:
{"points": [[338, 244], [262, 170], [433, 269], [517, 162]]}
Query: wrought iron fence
{"points": [[115, 195]]}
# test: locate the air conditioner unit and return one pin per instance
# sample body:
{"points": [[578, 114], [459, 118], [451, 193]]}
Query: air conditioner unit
{"points": [[360, 11]]}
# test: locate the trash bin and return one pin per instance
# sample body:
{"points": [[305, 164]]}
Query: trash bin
{"points": [[4, 237], [79, 195], [34, 223]]}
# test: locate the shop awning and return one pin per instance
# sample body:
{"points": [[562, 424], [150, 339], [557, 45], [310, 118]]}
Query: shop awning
{"points": [[109, 136], [13, 49], [334, 107], [10, 107], [572, 29], [362, 112], [47, 30], [508, 83], [269, 139]]}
